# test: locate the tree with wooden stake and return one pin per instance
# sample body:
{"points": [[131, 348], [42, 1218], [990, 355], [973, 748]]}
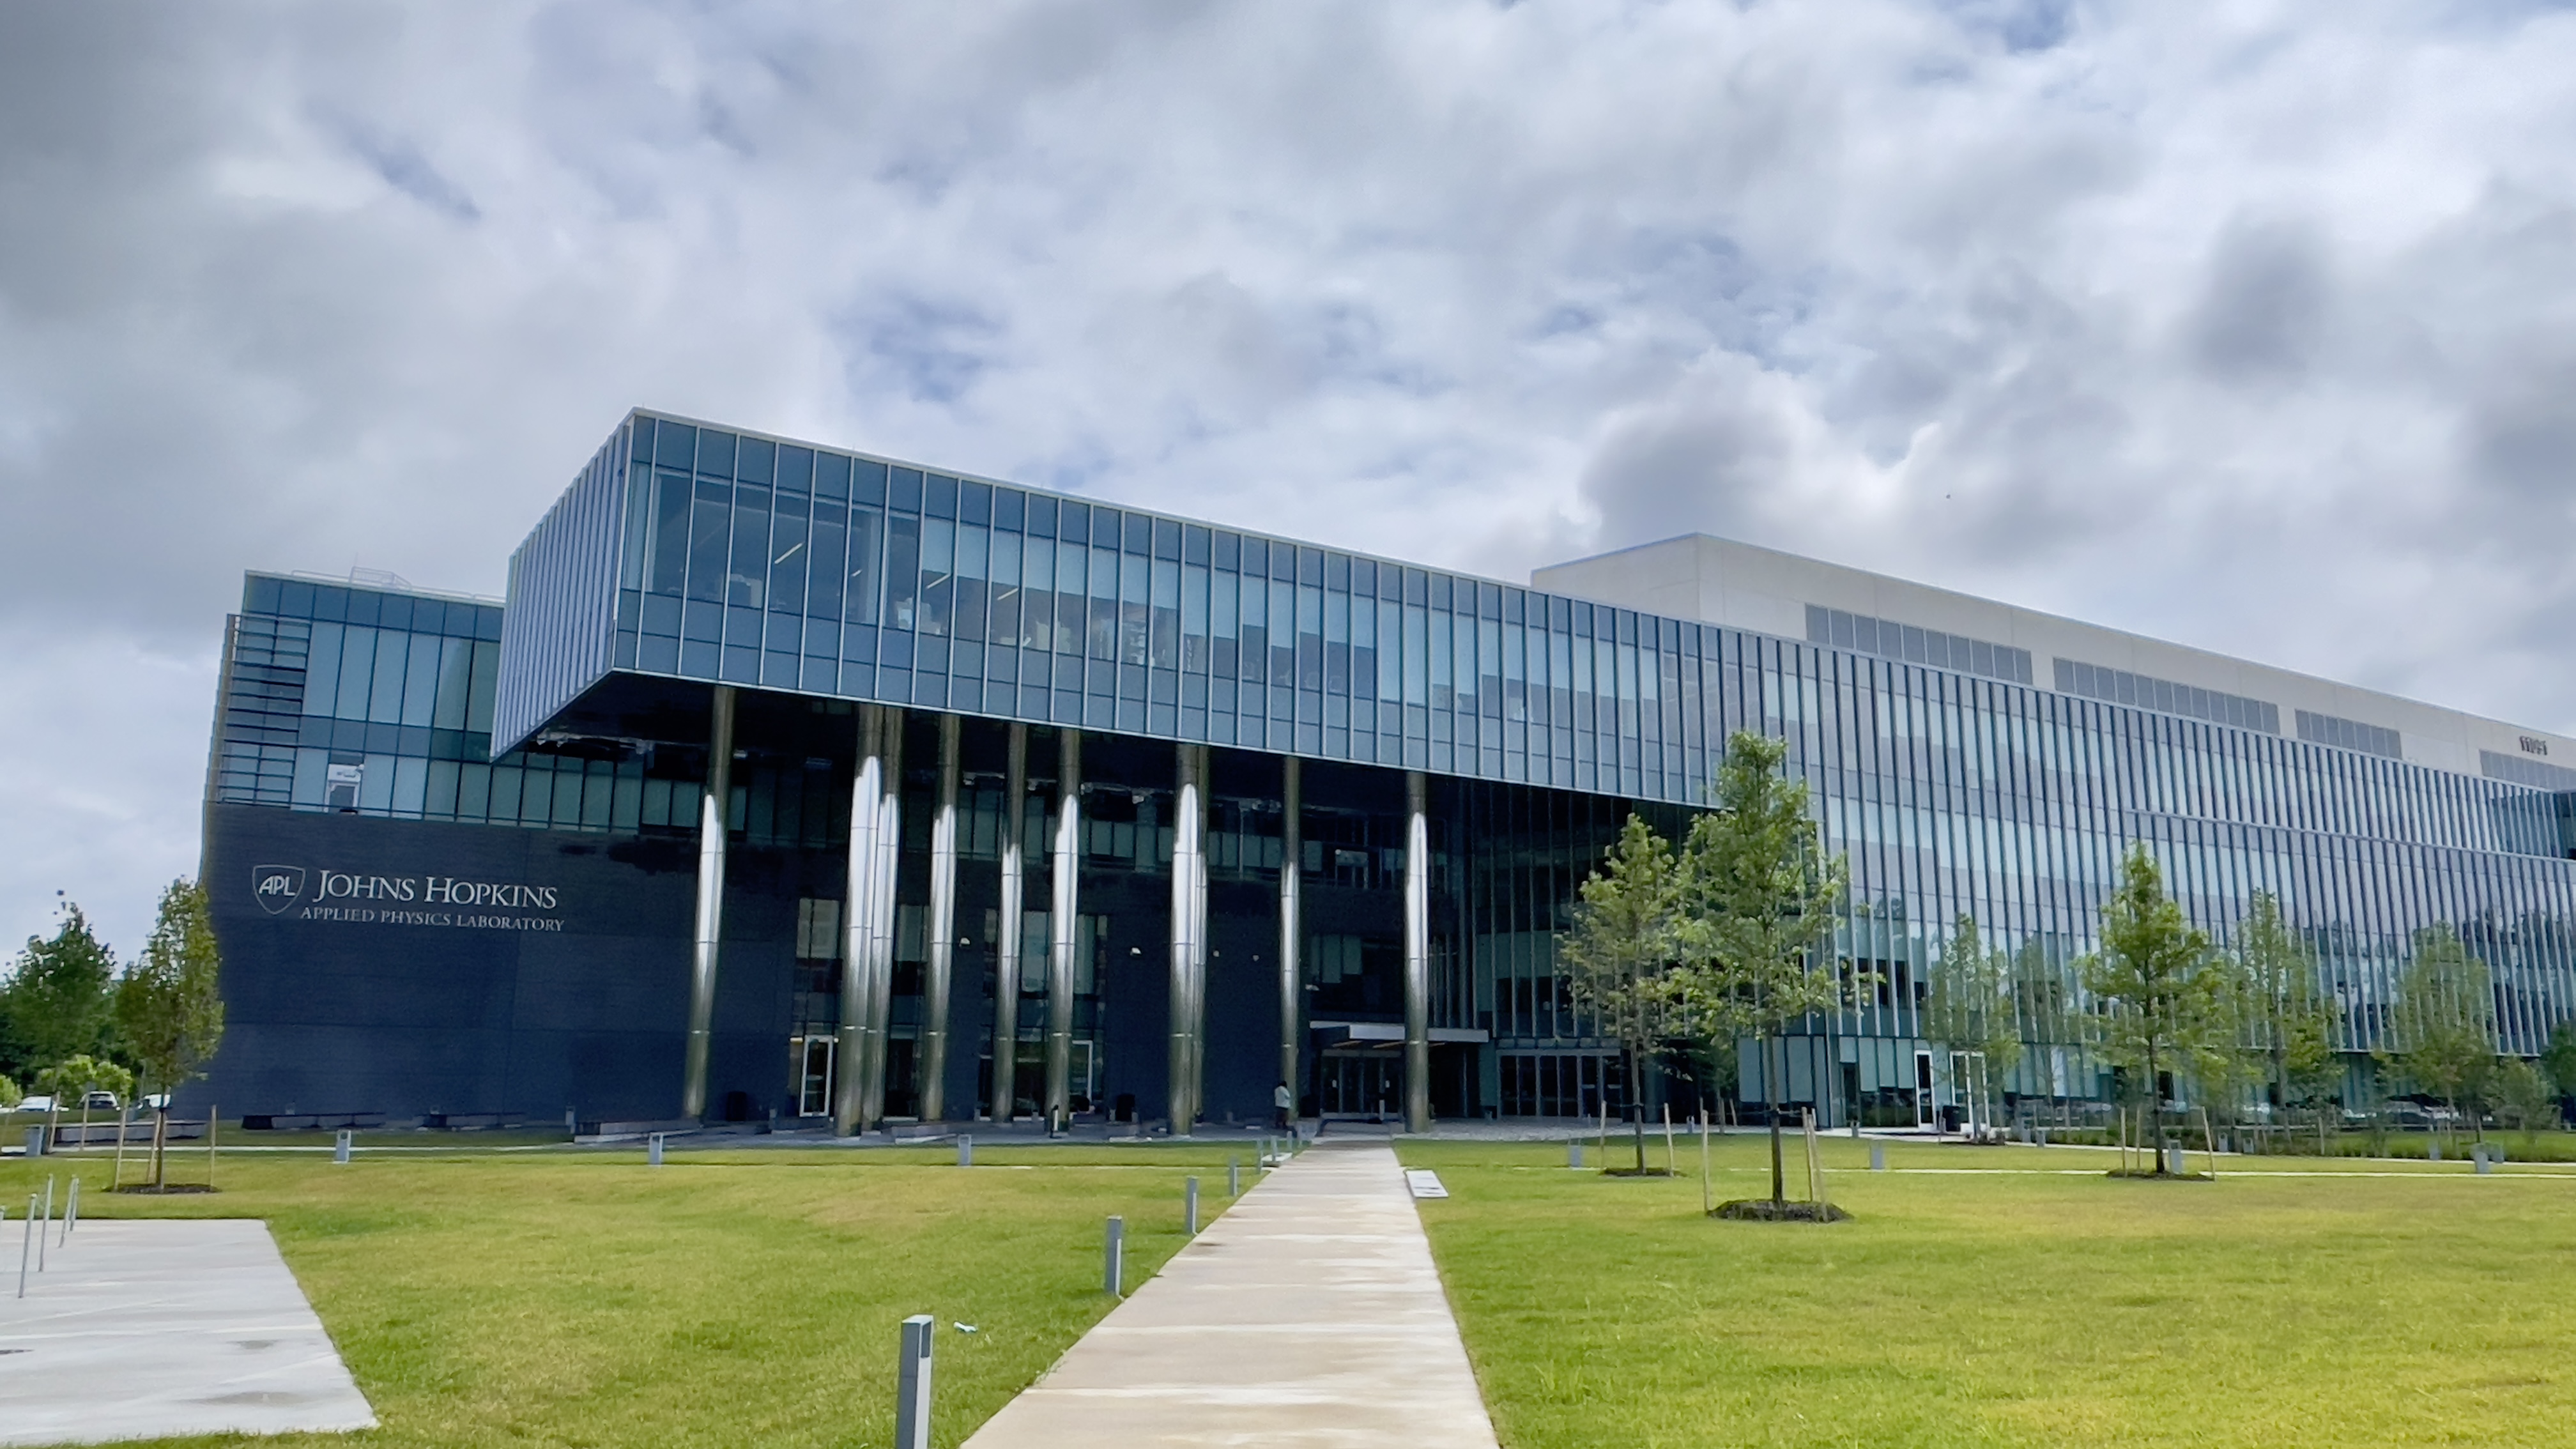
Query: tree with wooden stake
{"points": [[1759, 899], [2160, 997], [1621, 950], [2291, 1023], [168, 1006], [2442, 1029], [1970, 1009], [81, 1076]]}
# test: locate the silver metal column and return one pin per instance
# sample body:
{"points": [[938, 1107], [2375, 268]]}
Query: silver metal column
{"points": [[1292, 849], [1006, 945], [1189, 927], [1417, 951], [940, 968], [858, 927], [713, 807], [881, 920], [1063, 864]]}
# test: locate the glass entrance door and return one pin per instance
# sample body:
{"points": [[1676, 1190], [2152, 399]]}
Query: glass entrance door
{"points": [[814, 1090], [1362, 1084]]}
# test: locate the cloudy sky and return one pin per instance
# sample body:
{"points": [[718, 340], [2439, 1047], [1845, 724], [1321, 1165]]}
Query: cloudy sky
{"points": [[2220, 324]]}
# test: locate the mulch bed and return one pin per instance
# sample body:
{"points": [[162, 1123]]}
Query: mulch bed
{"points": [[172, 1190], [1764, 1210], [2142, 1174]]}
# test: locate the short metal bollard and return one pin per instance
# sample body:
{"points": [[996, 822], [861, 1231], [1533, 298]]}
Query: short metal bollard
{"points": [[26, 1242], [71, 1212], [965, 1150], [2433, 1150], [1113, 1278], [35, 1142], [1878, 1157], [340, 1148], [1190, 1198], [653, 1150], [1573, 1153], [912, 1384], [1234, 1177]]}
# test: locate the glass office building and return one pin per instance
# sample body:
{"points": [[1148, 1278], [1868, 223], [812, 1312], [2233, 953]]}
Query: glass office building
{"points": [[795, 781]]}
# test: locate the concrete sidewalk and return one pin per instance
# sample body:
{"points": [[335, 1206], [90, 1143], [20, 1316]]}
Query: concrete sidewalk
{"points": [[149, 1329], [1309, 1314]]}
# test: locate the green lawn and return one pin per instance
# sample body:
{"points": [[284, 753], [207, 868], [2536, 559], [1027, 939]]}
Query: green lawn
{"points": [[2012, 1296], [729, 1297]]}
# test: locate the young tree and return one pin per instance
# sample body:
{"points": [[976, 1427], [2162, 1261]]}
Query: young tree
{"points": [[1620, 948], [2558, 1060], [1758, 898], [2291, 1022], [169, 1006], [2161, 1001], [1971, 1005], [55, 1003], [2524, 1097], [81, 1076], [2443, 1023]]}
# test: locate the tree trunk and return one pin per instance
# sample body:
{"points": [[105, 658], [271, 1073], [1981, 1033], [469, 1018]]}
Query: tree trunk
{"points": [[1771, 1099], [1637, 1107], [2155, 1135], [160, 1137]]}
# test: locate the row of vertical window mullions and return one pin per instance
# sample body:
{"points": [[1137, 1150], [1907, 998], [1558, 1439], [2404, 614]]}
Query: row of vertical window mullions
{"points": [[393, 677], [298, 600], [1129, 609]]}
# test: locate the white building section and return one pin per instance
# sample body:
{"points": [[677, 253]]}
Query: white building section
{"points": [[1742, 586]]}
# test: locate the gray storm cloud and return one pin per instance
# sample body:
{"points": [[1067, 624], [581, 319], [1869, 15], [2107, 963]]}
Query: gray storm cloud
{"points": [[2249, 328]]}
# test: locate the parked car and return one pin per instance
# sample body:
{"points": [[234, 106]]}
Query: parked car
{"points": [[35, 1104], [101, 1102]]}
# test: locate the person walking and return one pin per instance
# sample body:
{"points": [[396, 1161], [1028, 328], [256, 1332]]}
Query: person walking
{"points": [[1286, 1103]]}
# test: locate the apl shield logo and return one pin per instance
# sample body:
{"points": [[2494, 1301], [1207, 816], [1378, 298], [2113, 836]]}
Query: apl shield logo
{"points": [[276, 887]]}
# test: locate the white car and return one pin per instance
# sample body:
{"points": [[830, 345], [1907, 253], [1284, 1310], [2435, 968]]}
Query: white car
{"points": [[35, 1104], [101, 1102]]}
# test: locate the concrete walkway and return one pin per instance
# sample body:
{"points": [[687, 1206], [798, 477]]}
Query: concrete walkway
{"points": [[1309, 1314], [141, 1330]]}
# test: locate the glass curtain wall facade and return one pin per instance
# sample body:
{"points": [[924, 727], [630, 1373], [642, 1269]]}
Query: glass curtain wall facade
{"points": [[690, 557]]}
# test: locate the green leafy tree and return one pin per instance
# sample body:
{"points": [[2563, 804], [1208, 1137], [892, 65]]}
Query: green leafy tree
{"points": [[2525, 1097], [1970, 1007], [2290, 1023], [79, 1077], [169, 1005], [2558, 1059], [1759, 899], [55, 1004], [2442, 1027], [1621, 947], [9, 1094], [2161, 997]]}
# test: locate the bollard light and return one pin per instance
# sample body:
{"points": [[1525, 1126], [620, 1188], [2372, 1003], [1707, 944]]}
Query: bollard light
{"points": [[340, 1147], [1573, 1152], [1234, 1177], [1878, 1157], [912, 1384], [1112, 1275], [1190, 1197], [653, 1150], [965, 1150]]}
